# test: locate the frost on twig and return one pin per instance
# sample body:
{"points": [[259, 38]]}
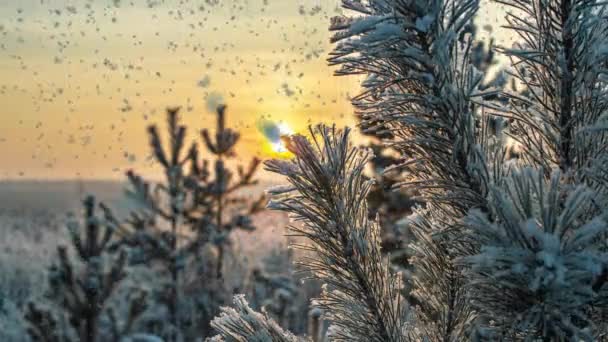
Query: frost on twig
{"points": [[243, 324], [422, 89], [560, 59], [361, 296]]}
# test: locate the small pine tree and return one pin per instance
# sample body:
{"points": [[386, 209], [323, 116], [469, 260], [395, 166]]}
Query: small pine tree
{"points": [[195, 208], [81, 290]]}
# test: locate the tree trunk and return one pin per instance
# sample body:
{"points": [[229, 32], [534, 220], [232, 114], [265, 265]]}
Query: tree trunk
{"points": [[173, 295], [89, 333]]}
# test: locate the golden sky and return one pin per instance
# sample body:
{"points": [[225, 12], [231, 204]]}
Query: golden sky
{"points": [[81, 79]]}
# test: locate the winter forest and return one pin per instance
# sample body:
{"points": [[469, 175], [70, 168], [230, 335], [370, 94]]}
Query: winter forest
{"points": [[303, 170]]}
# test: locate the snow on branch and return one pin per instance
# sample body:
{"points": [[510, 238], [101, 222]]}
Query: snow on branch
{"points": [[423, 88], [243, 324], [361, 296], [561, 60], [424, 91], [540, 259]]}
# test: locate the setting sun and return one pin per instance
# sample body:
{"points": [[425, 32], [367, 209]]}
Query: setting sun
{"points": [[279, 145]]}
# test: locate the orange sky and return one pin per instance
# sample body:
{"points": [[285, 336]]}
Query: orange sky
{"points": [[82, 79]]}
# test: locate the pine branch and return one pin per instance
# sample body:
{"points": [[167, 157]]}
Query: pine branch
{"points": [[423, 91], [327, 194], [242, 323], [561, 60], [540, 259]]}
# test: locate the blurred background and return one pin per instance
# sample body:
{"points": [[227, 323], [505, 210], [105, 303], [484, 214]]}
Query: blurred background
{"points": [[82, 79]]}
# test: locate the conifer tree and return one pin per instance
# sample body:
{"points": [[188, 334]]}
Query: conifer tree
{"points": [[195, 207], [81, 290]]}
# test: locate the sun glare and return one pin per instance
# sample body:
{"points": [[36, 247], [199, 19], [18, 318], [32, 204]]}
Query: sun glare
{"points": [[279, 146]]}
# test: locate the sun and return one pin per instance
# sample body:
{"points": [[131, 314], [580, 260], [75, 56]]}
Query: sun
{"points": [[279, 146]]}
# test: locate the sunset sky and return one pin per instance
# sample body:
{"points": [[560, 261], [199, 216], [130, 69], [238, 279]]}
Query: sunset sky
{"points": [[80, 80]]}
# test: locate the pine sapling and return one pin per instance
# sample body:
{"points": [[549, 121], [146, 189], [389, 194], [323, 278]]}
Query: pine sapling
{"points": [[81, 290], [196, 207]]}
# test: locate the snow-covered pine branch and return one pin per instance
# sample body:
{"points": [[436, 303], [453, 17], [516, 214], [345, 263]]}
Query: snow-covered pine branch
{"points": [[536, 274], [243, 324], [542, 268], [561, 59], [422, 86], [361, 297]]}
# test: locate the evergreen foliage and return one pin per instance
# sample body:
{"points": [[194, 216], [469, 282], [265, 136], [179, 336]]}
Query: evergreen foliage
{"points": [[184, 223], [423, 87], [541, 260], [244, 324], [327, 195], [510, 239], [550, 222], [81, 290]]}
